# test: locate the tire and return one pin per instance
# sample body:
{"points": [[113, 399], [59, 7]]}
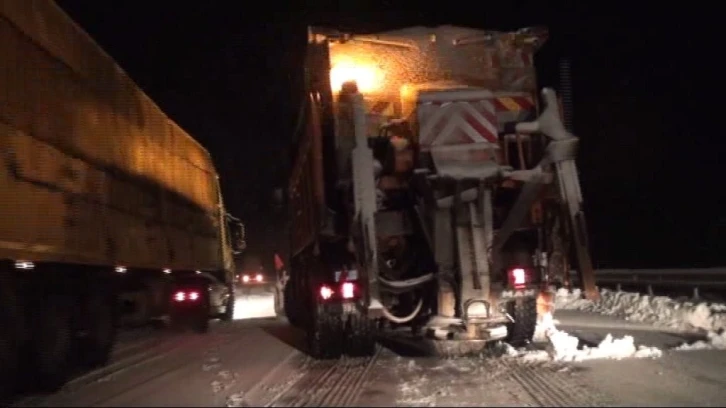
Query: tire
{"points": [[11, 319], [201, 321], [228, 314], [326, 335], [201, 325], [360, 336], [524, 313], [288, 307], [95, 350], [52, 341]]}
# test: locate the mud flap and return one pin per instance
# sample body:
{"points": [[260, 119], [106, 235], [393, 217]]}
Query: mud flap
{"points": [[365, 204]]}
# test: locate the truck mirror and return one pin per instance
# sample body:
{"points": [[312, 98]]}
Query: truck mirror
{"points": [[238, 233]]}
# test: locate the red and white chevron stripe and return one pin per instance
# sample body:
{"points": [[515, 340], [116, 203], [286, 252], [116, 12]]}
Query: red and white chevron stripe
{"points": [[446, 123]]}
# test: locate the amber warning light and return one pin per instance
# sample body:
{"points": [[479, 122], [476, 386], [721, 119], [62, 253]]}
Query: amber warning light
{"points": [[367, 76]]}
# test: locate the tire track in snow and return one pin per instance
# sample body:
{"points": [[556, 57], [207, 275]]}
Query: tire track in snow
{"points": [[131, 355], [552, 388], [250, 397], [328, 383], [156, 377]]}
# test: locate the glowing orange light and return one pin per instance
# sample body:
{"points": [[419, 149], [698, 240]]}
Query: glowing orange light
{"points": [[368, 77]]}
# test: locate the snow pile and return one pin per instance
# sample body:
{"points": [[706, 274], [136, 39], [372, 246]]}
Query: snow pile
{"points": [[714, 341], [564, 347], [659, 310]]}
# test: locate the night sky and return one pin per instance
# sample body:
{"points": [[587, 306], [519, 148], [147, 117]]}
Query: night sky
{"points": [[643, 90]]}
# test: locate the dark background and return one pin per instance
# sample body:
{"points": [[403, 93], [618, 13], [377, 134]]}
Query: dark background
{"points": [[646, 91]]}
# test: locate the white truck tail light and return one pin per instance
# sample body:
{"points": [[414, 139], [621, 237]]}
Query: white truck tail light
{"points": [[348, 290]]}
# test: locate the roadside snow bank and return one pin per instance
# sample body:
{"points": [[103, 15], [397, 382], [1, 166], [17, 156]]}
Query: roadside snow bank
{"points": [[714, 341], [660, 310], [565, 347]]}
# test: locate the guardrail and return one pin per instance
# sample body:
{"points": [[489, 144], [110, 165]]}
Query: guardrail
{"points": [[695, 280]]}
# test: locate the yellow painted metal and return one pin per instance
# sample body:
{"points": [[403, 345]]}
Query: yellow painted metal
{"points": [[91, 170]]}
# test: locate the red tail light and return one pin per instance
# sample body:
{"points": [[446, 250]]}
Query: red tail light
{"points": [[182, 296], [348, 290], [518, 277], [326, 292]]}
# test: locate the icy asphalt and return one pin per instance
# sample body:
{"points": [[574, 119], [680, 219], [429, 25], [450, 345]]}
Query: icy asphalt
{"points": [[255, 361]]}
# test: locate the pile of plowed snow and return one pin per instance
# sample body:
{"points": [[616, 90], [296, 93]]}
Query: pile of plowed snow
{"points": [[562, 346], [661, 311], [714, 340]]}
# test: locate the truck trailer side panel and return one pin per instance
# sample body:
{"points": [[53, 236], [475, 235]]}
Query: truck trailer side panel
{"points": [[93, 171]]}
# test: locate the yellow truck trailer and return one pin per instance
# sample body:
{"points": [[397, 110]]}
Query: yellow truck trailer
{"points": [[103, 199]]}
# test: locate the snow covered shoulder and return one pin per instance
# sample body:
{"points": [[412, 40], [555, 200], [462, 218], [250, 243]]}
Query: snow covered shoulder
{"points": [[661, 311], [561, 346]]}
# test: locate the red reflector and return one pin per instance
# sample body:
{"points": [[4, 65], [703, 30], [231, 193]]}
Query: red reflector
{"points": [[519, 276], [326, 292], [348, 290]]}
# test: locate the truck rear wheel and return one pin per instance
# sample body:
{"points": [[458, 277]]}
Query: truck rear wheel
{"points": [[524, 313], [325, 336], [52, 341], [201, 321], [201, 324], [288, 307], [96, 347], [360, 336]]}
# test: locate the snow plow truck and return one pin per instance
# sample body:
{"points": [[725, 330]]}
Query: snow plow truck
{"points": [[434, 193]]}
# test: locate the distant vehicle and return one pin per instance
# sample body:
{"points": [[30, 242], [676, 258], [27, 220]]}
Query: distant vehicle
{"points": [[192, 292], [252, 278]]}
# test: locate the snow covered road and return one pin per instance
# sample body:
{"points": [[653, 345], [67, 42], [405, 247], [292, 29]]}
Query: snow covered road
{"points": [[257, 362]]}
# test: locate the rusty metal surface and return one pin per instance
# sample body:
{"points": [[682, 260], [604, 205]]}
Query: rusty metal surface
{"points": [[92, 170]]}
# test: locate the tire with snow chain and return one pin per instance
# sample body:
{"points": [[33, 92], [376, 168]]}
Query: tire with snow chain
{"points": [[360, 336], [326, 335], [524, 313]]}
